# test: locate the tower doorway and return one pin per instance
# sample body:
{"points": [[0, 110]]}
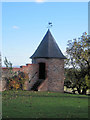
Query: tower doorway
{"points": [[42, 74]]}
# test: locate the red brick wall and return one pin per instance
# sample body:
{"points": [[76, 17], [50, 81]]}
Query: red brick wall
{"points": [[54, 75], [21, 68], [30, 69], [33, 75]]}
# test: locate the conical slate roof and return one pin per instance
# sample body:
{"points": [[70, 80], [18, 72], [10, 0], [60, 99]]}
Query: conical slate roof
{"points": [[48, 48]]}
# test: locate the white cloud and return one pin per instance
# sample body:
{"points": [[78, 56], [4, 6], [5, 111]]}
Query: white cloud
{"points": [[40, 0], [15, 27]]}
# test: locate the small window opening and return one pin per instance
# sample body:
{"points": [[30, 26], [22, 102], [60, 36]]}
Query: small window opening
{"points": [[42, 71]]}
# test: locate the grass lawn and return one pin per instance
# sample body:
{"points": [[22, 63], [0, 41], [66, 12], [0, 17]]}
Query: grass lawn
{"points": [[27, 104]]}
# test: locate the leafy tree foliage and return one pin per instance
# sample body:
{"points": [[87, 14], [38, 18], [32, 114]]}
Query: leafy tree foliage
{"points": [[9, 71], [15, 80], [0, 66], [78, 64], [7, 63]]}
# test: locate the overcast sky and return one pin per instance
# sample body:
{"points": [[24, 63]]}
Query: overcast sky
{"points": [[25, 24]]}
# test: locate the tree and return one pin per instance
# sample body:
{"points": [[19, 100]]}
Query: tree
{"points": [[0, 67], [15, 80], [78, 64], [0, 73], [7, 63]]}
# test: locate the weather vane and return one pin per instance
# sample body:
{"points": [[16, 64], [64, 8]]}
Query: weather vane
{"points": [[49, 25]]}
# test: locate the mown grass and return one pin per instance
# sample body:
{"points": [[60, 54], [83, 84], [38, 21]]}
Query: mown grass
{"points": [[26, 104]]}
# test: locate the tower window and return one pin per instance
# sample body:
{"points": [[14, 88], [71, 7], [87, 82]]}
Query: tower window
{"points": [[42, 71]]}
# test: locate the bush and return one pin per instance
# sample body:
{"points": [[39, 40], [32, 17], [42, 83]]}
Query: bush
{"points": [[17, 81]]}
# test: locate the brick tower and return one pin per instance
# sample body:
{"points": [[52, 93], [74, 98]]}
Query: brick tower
{"points": [[49, 60]]}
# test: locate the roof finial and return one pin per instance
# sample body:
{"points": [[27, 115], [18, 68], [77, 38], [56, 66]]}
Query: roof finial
{"points": [[49, 25]]}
